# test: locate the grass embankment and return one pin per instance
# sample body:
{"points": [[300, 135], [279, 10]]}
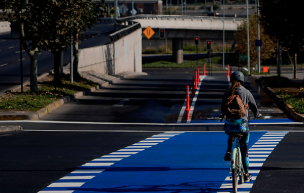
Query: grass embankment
{"points": [[216, 62], [291, 92], [28, 101]]}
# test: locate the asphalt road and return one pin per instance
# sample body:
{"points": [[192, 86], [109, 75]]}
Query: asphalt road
{"points": [[80, 147], [10, 56]]}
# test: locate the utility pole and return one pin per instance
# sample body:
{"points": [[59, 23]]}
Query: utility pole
{"points": [[259, 47], [248, 51], [115, 9], [223, 34]]}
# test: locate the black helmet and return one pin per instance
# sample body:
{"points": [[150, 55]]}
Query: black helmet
{"points": [[237, 75]]}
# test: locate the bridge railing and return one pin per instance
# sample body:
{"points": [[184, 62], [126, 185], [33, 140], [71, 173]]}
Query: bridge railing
{"points": [[168, 17]]}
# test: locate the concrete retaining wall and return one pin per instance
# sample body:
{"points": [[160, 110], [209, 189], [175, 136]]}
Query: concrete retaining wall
{"points": [[112, 59], [5, 26]]}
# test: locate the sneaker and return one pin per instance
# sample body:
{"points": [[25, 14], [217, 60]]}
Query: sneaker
{"points": [[227, 156], [248, 178]]}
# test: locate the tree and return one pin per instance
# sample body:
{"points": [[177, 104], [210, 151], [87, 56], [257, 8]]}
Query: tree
{"points": [[48, 25], [268, 47], [283, 23]]}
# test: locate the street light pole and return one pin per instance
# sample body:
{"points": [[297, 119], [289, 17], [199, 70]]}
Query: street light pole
{"points": [[259, 47], [248, 51], [223, 34]]}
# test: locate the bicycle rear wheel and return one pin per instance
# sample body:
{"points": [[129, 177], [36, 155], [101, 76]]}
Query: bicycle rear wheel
{"points": [[235, 173]]}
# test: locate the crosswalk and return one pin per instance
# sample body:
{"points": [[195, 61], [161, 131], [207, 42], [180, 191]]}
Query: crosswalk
{"points": [[258, 153], [167, 162]]}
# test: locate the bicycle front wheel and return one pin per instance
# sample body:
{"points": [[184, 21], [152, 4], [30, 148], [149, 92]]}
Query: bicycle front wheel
{"points": [[235, 173]]}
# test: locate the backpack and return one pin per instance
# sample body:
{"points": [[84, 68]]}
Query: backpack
{"points": [[235, 107]]}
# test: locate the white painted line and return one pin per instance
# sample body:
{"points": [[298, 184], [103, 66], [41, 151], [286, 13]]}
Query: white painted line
{"points": [[264, 145], [143, 124], [11, 47], [257, 160], [77, 178], [266, 142], [260, 149], [272, 137], [87, 171], [145, 144], [124, 156], [138, 147], [107, 159], [152, 141], [270, 140], [97, 164], [157, 138], [114, 153], [56, 191], [255, 164], [129, 149], [65, 184], [3, 64], [259, 152], [258, 156]]}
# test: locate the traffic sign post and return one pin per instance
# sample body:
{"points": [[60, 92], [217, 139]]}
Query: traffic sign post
{"points": [[148, 32]]}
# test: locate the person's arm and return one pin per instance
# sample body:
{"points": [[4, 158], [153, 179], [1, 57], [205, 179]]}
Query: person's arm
{"points": [[253, 106]]}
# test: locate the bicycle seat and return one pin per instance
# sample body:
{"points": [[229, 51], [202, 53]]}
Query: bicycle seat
{"points": [[238, 135]]}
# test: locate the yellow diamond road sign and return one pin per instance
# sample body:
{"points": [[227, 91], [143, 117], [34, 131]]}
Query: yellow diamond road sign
{"points": [[149, 32]]}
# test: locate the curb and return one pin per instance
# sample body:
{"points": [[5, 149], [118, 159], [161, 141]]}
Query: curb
{"points": [[281, 103], [23, 115], [10, 128]]}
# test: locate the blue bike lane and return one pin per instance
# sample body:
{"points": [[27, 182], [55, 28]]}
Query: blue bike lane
{"points": [[169, 162]]}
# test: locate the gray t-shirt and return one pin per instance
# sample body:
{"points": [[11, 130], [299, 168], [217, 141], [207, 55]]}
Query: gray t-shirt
{"points": [[246, 97]]}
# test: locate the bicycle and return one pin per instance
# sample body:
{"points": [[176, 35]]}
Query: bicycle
{"points": [[236, 167]]}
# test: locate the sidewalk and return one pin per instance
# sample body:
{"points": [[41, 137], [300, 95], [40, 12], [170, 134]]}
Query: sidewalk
{"points": [[102, 79]]}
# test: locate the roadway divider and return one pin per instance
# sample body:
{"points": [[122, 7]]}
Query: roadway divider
{"points": [[204, 71], [196, 82], [228, 70]]}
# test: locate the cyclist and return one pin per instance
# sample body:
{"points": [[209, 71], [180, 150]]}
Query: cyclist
{"points": [[239, 125]]}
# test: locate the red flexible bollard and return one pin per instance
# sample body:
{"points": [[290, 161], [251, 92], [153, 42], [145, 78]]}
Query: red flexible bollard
{"points": [[198, 75], [204, 71], [188, 99], [228, 70], [196, 79], [193, 85]]}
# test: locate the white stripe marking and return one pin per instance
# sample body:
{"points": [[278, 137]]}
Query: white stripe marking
{"points": [[264, 145], [97, 164], [129, 149], [66, 184], [116, 156], [114, 153], [56, 191], [77, 177], [145, 144], [260, 149], [259, 152], [138, 147], [258, 156], [3, 64], [104, 159], [258, 160], [89, 171]]}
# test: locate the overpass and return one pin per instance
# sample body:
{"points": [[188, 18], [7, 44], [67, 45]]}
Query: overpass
{"points": [[179, 27]]}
